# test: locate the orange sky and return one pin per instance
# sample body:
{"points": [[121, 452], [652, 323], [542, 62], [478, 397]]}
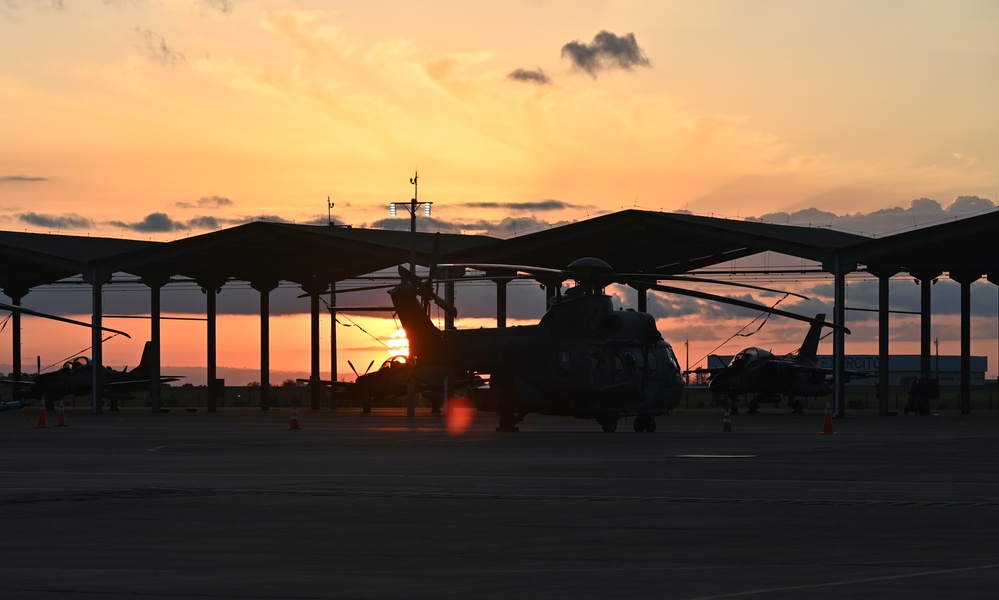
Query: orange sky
{"points": [[159, 120]]}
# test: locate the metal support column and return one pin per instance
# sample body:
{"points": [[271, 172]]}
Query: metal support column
{"points": [[97, 278], [884, 275], [211, 289], [839, 268], [15, 294], [155, 285], [965, 278], [265, 287]]}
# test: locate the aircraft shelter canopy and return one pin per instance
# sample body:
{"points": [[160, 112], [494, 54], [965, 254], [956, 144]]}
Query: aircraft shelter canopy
{"points": [[266, 253]]}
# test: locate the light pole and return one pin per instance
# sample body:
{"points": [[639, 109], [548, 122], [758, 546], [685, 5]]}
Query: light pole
{"points": [[412, 207]]}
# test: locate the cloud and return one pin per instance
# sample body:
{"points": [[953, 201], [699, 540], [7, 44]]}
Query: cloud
{"points": [[205, 223], [153, 223], [533, 76], [154, 46], [21, 179], [505, 228], [922, 212], [206, 202], [224, 6], [541, 205], [68, 221], [970, 204], [607, 51], [268, 218]]}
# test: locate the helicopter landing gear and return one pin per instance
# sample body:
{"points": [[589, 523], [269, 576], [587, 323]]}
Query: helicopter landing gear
{"points": [[608, 422], [508, 421], [645, 423]]}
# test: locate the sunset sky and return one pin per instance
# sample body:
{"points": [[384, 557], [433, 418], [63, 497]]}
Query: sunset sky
{"points": [[168, 118]]}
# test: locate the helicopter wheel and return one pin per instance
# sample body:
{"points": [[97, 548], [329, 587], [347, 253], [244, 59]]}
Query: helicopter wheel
{"points": [[507, 422], [645, 423], [608, 422]]}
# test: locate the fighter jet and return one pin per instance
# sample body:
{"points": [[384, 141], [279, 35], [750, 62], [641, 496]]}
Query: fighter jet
{"points": [[761, 374], [76, 377]]}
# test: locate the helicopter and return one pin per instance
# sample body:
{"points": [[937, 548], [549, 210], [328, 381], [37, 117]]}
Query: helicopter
{"points": [[763, 374], [390, 379], [583, 359]]}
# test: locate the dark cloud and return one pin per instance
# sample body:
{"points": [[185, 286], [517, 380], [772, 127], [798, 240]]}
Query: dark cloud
{"points": [[506, 228], [541, 205], [67, 221], [268, 218], [964, 205], [154, 46], [21, 179], [423, 223], [326, 219], [153, 223], [606, 51], [513, 226], [533, 76], [205, 223], [921, 212]]}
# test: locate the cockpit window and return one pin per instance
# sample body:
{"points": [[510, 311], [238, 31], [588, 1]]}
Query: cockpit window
{"points": [[563, 361]]}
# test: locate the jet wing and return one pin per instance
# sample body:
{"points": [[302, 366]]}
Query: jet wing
{"points": [[705, 370], [136, 382]]}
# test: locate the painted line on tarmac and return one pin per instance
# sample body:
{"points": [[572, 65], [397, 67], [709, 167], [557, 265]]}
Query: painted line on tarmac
{"points": [[846, 582], [715, 455]]}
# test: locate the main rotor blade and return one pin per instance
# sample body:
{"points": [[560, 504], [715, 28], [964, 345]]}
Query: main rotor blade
{"points": [[662, 277], [28, 311], [529, 270], [353, 289], [412, 279], [745, 304]]}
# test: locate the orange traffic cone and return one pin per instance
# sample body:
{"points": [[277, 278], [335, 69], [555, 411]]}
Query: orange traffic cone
{"points": [[62, 416], [727, 423], [294, 418], [42, 420], [827, 424]]}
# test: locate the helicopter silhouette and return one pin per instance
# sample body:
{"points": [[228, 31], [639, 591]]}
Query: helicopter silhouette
{"points": [[763, 375], [583, 359], [390, 379]]}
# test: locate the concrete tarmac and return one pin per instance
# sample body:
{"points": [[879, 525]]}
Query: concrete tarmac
{"points": [[235, 504]]}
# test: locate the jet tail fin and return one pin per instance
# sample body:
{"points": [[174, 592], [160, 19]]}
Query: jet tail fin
{"points": [[145, 366], [810, 347]]}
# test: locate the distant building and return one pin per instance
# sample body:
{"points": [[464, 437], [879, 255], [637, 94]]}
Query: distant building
{"points": [[903, 368]]}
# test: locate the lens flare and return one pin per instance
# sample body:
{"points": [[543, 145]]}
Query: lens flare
{"points": [[460, 414]]}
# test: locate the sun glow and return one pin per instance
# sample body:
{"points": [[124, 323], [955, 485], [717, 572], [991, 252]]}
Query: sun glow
{"points": [[398, 345]]}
